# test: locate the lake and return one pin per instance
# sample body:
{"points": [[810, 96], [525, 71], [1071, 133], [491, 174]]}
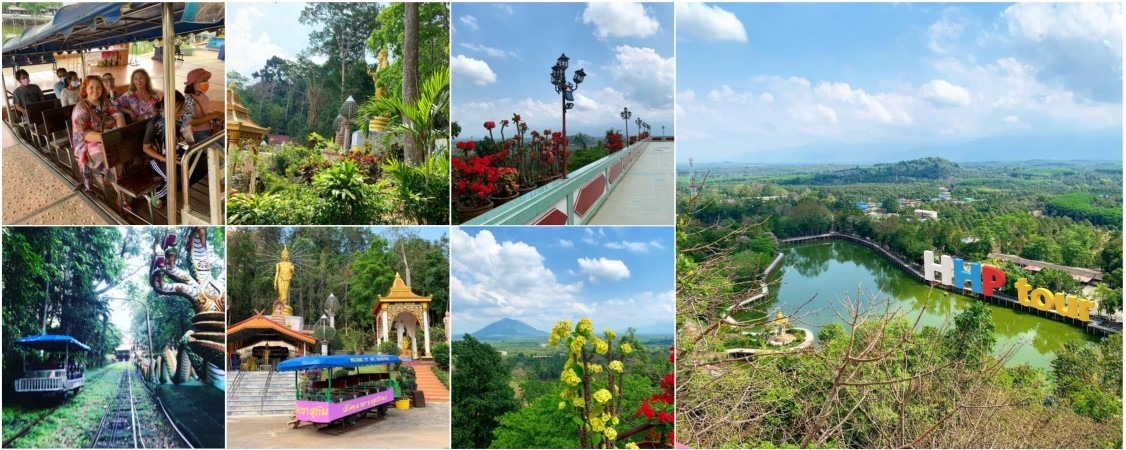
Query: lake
{"points": [[833, 270]]}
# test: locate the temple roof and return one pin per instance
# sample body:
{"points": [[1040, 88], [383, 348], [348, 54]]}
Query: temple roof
{"points": [[239, 124], [262, 324], [399, 293]]}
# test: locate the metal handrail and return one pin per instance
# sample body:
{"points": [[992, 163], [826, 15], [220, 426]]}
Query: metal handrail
{"points": [[190, 160]]}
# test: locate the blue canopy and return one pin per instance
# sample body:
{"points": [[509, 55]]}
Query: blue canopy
{"points": [[332, 361], [52, 343], [88, 26]]}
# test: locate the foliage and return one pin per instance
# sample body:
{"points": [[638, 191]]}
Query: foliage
{"points": [[441, 352], [613, 142], [1084, 206], [345, 193], [423, 190], [1089, 378], [442, 374], [433, 37], [424, 120], [480, 371]]}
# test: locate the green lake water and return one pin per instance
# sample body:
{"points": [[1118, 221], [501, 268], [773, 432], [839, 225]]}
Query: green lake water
{"points": [[834, 269]]}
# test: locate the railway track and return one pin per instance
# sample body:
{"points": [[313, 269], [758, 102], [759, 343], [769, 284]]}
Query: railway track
{"points": [[8, 442], [118, 428]]}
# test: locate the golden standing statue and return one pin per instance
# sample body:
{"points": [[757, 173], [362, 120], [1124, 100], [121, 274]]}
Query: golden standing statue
{"points": [[379, 123], [283, 274], [405, 345]]}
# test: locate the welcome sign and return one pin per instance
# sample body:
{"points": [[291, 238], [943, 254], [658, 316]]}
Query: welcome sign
{"points": [[981, 279]]}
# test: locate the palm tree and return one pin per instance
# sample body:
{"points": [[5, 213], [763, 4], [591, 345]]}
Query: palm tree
{"points": [[412, 152], [416, 118]]}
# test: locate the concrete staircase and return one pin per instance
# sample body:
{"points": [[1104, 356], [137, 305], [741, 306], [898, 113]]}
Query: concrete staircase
{"points": [[261, 394], [429, 383]]}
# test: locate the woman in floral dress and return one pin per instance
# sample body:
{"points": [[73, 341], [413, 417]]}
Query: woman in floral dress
{"points": [[138, 102], [92, 115]]}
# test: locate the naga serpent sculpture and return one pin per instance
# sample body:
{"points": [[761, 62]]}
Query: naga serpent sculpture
{"points": [[203, 345]]}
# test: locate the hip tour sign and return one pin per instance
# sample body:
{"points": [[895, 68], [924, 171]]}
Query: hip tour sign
{"points": [[985, 279]]}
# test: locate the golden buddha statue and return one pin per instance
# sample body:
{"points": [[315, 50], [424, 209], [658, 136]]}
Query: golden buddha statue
{"points": [[283, 274], [379, 123], [405, 347]]}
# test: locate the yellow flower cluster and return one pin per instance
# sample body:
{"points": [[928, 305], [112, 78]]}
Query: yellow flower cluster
{"points": [[602, 396], [559, 332], [593, 368], [610, 334], [614, 421], [562, 405], [610, 433], [570, 378], [600, 346], [597, 424], [577, 345], [585, 327], [627, 349], [616, 366], [578, 402], [631, 445]]}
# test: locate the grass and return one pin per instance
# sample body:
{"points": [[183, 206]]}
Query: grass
{"points": [[442, 376], [153, 427], [74, 424]]}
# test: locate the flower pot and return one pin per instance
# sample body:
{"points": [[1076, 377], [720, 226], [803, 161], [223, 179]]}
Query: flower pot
{"points": [[497, 201], [467, 214], [527, 189], [542, 181], [403, 403]]}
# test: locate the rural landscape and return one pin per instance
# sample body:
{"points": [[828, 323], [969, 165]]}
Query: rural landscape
{"points": [[900, 251]]}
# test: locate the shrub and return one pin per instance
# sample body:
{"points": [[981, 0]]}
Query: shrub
{"points": [[441, 353]]}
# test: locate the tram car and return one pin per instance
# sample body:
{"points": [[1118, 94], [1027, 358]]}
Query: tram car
{"points": [[341, 400], [62, 371]]}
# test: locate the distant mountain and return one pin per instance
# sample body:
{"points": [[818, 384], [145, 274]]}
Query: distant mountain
{"points": [[508, 328], [929, 168], [1101, 145]]}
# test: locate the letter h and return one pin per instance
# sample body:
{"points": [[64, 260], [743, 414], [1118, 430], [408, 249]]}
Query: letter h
{"points": [[945, 266], [961, 275]]}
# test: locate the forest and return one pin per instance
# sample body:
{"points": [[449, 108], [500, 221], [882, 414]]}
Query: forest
{"points": [[877, 378], [355, 264], [67, 280], [515, 401], [400, 176]]}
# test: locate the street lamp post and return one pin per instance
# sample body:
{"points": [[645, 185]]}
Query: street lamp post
{"points": [[639, 122], [662, 131], [626, 114], [566, 91]]}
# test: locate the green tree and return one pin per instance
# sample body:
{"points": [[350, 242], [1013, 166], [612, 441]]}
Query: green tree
{"points": [[972, 338], [482, 378], [346, 28]]}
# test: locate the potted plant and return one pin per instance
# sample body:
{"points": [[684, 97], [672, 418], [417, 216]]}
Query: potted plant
{"points": [[474, 183], [507, 187]]}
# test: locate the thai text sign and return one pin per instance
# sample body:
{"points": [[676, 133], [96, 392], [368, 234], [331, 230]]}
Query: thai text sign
{"points": [[325, 412], [984, 280]]}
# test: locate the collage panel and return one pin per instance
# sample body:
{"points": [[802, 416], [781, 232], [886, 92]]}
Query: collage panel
{"points": [[562, 337], [113, 337], [339, 113], [902, 225], [338, 337], [83, 139], [592, 146]]}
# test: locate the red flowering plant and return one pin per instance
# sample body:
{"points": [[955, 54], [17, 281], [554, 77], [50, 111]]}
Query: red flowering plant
{"points": [[507, 183], [474, 181], [660, 409], [613, 141], [466, 147]]}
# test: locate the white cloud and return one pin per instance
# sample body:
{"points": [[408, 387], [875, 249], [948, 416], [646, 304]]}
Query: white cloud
{"points": [[620, 19], [943, 94], [634, 246], [469, 21], [709, 23], [649, 77], [253, 51], [490, 51], [472, 70], [505, 278], [603, 269], [1011, 119], [1099, 23], [566, 243], [946, 30]]}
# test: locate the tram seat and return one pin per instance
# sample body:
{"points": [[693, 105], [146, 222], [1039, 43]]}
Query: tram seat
{"points": [[35, 117], [340, 391], [125, 154], [56, 126]]}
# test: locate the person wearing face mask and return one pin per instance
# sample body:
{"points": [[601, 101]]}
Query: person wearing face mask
{"points": [[154, 147], [92, 115], [138, 103], [197, 107], [71, 95], [61, 84], [26, 93]]}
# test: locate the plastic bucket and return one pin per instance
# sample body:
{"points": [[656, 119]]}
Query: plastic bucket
{"points": [[403, 403]]}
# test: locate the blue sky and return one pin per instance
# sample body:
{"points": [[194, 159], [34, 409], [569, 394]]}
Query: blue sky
{"points": [[617, 276], [791, 81], [502, 54]]}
